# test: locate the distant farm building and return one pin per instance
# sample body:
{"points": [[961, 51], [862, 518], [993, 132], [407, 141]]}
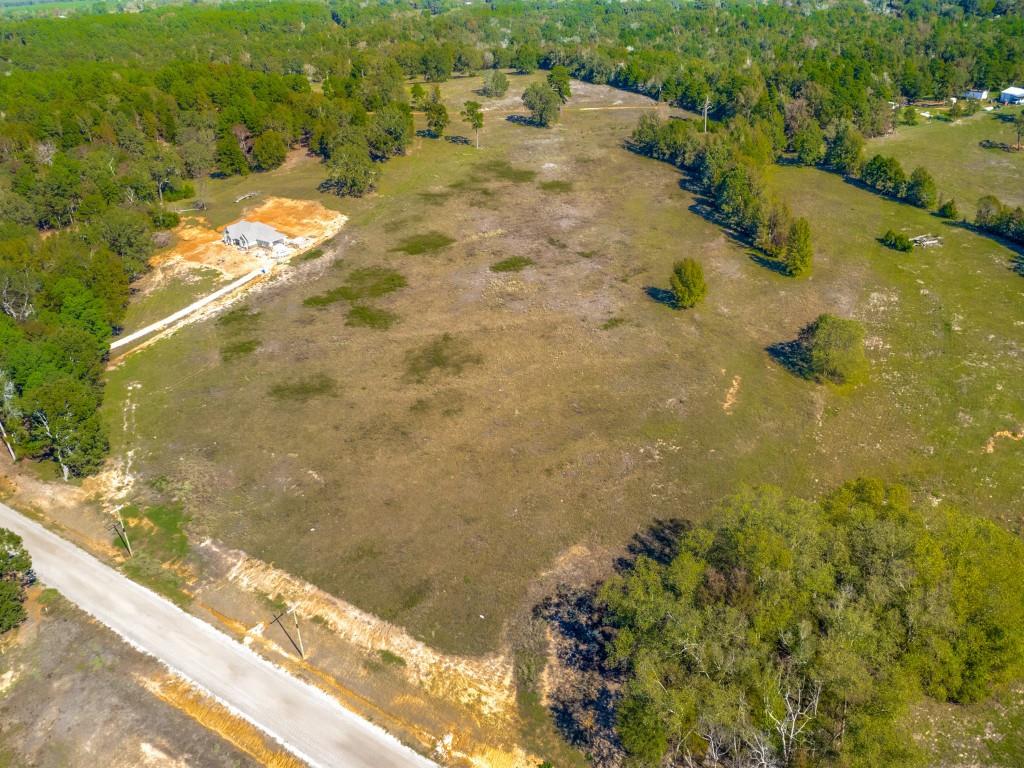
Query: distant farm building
{"points": [[1012, 95], [976, 95], [248, 234]]}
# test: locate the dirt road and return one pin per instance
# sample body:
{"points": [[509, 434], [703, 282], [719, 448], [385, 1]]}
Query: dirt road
{"points": [[302, 718], [195, 306]]}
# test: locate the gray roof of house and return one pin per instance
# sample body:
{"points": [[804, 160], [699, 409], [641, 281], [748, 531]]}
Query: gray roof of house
{"points": [[253, 231]]}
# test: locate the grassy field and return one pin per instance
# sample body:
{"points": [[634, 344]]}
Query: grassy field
{"points": [[158, 296], [434, 455], [962, 168]]}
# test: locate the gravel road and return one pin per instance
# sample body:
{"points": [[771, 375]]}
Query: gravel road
{"points": [[305, 720]]}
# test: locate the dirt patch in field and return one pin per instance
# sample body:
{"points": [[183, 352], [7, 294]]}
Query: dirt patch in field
{"points": [[306, 222]]}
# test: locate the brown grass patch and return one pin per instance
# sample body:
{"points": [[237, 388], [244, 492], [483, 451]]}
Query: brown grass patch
{"points": [[217, 718]]}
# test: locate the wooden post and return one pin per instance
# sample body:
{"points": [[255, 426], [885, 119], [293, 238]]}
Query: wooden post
{"points": [[10, 450], [298, 632]]}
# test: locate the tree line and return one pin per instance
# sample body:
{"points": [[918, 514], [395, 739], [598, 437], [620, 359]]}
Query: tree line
{"points": [[788, 632]]}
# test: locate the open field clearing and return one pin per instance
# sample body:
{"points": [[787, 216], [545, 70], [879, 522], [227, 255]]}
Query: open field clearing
{"points": [[506, 417], [962, 169]]}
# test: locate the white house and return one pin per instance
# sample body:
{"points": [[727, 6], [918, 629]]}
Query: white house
{"points": [[976, 94], [1012, 95], [246, 234]]}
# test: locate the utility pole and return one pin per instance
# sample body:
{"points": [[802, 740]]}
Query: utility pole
{"points": [[119, 528], [277, 620]]}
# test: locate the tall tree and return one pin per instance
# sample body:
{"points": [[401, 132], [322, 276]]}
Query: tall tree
{"points": [[558, 79], [437, 118], [789, 633], [473, 114], [543, 103], [798, 253], [921, 190]]}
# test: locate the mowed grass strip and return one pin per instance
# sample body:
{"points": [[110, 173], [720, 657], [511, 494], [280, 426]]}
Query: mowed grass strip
{"points": [[427, 242], [237, 349], [556, 185], [363, 316], [512, 264], [445, 354], [502, 169], [363, 283], [239, 316], [303, 389]]}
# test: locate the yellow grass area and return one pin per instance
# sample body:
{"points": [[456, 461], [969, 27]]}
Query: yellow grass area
{"points": [[220, 720], [197, 243], [1016, 437]]}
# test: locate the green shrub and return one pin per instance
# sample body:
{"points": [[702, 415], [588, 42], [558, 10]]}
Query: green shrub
{"points": [[316, 253], [834, 347], [897, 241], [948, 210], [556, 185], [445, 354], [392, 659], [164, 219], [237, 349]]}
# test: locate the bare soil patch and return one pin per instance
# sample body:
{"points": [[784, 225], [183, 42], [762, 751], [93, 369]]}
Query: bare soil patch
{"points": [[198, 243]]}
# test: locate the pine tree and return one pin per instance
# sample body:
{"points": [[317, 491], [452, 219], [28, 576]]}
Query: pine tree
{"points": [[798, 254], [688, 283]]}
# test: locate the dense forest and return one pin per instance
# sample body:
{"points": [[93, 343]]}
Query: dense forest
{"points": [[138, 110]]}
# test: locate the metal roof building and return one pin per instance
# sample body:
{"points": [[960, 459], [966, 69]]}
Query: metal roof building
{"points": [[246, 234]]}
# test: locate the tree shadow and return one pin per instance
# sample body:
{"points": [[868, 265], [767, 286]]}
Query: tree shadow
{"points": [[583, 698], [424, 133], [1016, 261], [793, 356], [587, 685], [768, 262], [662, 296], [660, 543], [523, 120], [458, 140]]}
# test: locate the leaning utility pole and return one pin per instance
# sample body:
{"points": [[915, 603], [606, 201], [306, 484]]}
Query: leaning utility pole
{"points": [[297, 646], [10, 450], [119, 528]]}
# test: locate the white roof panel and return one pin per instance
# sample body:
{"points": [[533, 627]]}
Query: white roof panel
{"points": [[253, 231]]}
